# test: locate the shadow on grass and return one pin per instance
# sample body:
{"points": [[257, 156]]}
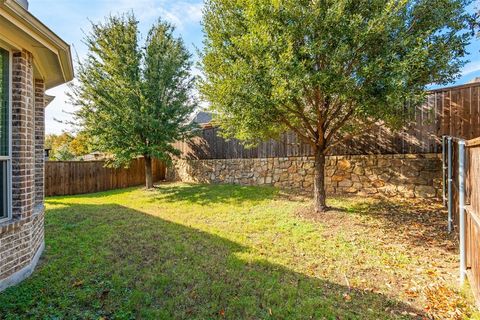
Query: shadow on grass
{"points": [[115, 262], [206, 194]]}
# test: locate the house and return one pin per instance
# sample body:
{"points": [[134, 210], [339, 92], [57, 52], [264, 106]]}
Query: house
{"points": [[32, 59], [203, 119], [94, 156]]}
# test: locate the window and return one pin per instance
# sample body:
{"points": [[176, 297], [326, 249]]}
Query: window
{"points": [[4, 134]]}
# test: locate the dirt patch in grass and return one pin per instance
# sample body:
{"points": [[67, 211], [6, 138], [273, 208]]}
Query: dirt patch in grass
{"points": [[415, 230]]}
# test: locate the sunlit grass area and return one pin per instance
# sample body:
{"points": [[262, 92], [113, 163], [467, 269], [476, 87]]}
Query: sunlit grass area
{"points": [[222, 251]]}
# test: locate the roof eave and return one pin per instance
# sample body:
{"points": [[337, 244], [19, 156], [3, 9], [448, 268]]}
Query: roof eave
{"points": [[38, 28]]}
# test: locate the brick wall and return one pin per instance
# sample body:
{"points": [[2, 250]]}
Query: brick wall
{"points": [[23, 147], [21, 239], [39, 141], [368, 175], [20, 242]]}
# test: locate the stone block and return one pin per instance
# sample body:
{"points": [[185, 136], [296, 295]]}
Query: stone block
{"points": [[308, 165], [358, 170], [425, 192], [329, 172], [344, 164], [307, 184], [345, 183], [351, 190], [337, 178], [382, 162], [378, 183], [389, 190], [370, 190], [406, 191]]}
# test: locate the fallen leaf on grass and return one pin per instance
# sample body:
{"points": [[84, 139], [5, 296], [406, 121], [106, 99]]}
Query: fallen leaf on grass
{"points": [[412, 292], [444, 303], [347, 297], [432, 273], [77, 284]]}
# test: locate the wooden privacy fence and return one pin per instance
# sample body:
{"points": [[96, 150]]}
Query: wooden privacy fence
{"points": [[453, 111], [78, 177], [462, 196]]}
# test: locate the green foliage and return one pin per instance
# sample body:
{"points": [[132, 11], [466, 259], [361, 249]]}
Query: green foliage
{"points": [[66, 146], [324, 67], [81, 144], [134, 99], [58, 145]]}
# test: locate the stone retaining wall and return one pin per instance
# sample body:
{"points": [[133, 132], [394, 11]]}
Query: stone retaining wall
{"points": [[401, 175]]}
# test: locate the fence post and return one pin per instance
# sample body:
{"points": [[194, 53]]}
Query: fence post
{"points": [[461, 207], [449, 183], [444, 171]]}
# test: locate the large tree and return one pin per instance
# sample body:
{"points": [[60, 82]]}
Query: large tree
{"points": [[133, 98], [326, 69]]}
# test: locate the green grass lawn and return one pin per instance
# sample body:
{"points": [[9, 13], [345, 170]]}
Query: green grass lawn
{"points": [[221, 251]]}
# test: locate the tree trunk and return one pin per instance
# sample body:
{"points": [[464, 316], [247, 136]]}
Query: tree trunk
{"points": [[148, 172], [319, 196]]}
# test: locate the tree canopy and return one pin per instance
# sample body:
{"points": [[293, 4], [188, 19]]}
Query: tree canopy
{"points": [[67, 146], [327, 70], [134, 98]]}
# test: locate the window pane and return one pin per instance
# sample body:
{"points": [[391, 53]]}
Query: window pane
{"points": [[3, 190], [4, 90]]}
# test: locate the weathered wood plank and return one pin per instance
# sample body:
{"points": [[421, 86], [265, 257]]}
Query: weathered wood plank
{"points": [[78, 177], [451, 111]]}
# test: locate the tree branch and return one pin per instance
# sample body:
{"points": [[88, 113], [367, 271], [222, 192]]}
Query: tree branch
{"points": [[337, 108], [302, 136], [350, 136], [304, 118], [340, 123]]}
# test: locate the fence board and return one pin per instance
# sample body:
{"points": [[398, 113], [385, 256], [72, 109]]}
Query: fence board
{"points": [[453, 111], [472, 206], [78, 177], [472, 197]]}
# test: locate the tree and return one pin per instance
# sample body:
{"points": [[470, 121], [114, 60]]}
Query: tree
{"points": [[134, 99], [81, 144], [66, 146], [59, 145], [327, 70]]}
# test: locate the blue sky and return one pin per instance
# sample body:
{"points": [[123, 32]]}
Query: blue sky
{"points": [[70, 19]]}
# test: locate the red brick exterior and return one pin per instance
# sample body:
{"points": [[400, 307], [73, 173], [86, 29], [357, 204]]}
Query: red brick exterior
{"points": [[39, 141], [21, 239]]}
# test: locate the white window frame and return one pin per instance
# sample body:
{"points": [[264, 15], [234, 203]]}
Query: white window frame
{"points": [[9, 157]]}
